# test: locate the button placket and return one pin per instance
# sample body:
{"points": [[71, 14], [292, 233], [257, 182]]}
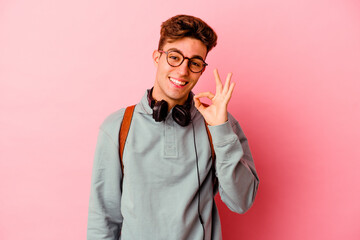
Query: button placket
{"points": [[170, 148]]}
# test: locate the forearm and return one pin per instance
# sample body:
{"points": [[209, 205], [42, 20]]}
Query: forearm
{"points": [[235, 169]]}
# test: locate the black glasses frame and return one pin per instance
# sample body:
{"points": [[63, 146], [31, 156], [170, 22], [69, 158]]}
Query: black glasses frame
{"points": [[190, 59]]}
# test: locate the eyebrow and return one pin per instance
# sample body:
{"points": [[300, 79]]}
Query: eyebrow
{"points": [[177, 50]]}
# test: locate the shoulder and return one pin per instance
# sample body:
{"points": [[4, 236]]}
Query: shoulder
{"points": [[111, 124]]}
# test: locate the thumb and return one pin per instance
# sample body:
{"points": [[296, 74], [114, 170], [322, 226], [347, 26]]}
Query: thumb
{"points": [[199, 106]]}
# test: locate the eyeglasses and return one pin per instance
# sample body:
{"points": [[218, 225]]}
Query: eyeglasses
{"points": [[175, 59]]}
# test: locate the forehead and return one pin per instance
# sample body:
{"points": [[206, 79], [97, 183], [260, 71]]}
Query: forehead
{"points": [[190, 47]]}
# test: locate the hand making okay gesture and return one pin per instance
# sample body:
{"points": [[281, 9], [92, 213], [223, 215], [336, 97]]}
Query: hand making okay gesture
{"points": [[216, 113]]}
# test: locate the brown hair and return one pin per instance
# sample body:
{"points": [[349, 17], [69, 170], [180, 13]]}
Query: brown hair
{"points": [[181, 26]]}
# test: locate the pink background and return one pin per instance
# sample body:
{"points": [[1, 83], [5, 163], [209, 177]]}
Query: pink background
{"points": [[66, 65]]}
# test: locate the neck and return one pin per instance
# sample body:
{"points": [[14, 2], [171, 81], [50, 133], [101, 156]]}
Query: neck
{"points": [[171, 103]]}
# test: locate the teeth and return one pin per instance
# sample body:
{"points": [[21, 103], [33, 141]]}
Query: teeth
{"points": [[177, 82]]}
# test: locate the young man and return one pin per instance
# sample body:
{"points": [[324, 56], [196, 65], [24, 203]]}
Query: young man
{"points": [[166, 189]]}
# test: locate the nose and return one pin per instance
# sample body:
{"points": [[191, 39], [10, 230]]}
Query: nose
{"points": [[184, 67]]}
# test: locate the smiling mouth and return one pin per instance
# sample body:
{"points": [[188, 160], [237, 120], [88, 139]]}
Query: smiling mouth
{"points": [[178, 82]]}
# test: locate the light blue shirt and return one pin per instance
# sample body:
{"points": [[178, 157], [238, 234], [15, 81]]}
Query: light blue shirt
{"points": [[159, 198]]}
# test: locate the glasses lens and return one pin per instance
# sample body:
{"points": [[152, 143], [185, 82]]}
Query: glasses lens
{"points": [[196, 65], [174, 58]]}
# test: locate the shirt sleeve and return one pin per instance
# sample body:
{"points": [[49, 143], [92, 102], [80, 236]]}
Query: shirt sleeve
{"points": [[104, 216], [235, 168]]}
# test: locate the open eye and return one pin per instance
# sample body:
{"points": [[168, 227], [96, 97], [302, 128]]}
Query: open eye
{"points": [[173, 57], [196, 63]]}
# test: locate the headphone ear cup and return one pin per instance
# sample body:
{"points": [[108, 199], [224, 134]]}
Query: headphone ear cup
{"points": [[181, 115], [160, 110]]}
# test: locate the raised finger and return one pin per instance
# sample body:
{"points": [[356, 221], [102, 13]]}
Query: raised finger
{"points": [[229, 93], [218, 82], [227, 83]]}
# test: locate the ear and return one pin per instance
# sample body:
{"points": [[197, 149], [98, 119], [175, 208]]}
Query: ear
{"points": [[156, 56]]}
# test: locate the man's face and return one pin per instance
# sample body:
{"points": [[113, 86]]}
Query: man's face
{"points": [[173, 84]]}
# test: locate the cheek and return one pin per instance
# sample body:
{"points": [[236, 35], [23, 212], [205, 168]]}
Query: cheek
{"points": [[195, 78], [164, 68]]}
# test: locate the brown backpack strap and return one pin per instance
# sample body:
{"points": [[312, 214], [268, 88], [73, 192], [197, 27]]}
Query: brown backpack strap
{"points": [[124, 130], [213, 158]]}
